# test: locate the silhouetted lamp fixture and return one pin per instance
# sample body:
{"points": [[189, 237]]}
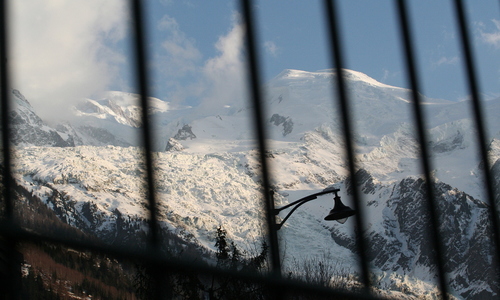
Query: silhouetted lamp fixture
{"points": [[339, 213]]}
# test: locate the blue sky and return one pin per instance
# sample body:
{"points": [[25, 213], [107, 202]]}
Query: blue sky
{"points": [[64, 50], [292, 35]]}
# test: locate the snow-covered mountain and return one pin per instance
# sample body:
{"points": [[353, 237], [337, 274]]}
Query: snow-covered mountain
{"points": [[114, 118], [207, 174], [29, 129]]}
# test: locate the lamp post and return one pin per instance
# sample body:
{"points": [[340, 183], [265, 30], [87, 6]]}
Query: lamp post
{"points": [[339, 213]]}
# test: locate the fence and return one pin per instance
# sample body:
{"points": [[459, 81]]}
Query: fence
{"points": [[12, 233]]}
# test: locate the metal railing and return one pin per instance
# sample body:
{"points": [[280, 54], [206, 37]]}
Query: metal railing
{"points": [[13, 233]]}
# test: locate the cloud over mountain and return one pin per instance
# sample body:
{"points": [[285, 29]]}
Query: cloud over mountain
{"points": [[64, 51]]}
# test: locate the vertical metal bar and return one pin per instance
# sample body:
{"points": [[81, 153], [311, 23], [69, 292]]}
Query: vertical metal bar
{"points": [[6, 131], [13, 265], [422, 140], [489, 183], [345, 115], [255, 84], [142, 81]]}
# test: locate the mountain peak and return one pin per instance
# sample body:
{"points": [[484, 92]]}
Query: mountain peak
{"points": [[358, 76], [300, 75], [125, 99], [350, 75], [21, 100]]}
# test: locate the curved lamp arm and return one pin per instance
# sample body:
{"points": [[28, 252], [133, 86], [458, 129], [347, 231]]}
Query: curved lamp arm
{"points": [[299, 203]]}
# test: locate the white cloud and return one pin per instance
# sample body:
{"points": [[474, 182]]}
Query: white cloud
{"points": [[492, 38], [230, 48], [224, 75], [63, 51], [447, 61], [179, 54], [215, 83], [388, 76], [385, 76], [271, 48]]}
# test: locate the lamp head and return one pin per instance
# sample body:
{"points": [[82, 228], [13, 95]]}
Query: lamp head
{"points": [[340, 212]]}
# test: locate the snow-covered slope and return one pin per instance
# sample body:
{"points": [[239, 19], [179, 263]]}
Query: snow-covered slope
{"points": [[123, 108], [115, 118], [28, 129], [209, 176]]}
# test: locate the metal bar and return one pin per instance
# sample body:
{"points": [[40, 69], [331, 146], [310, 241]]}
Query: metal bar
{"points": [[489, 183], [254, 85], [313, 196], [304, 201], [6, 130], [142, 80], [345, 115], [422, 140], [12, 285]]}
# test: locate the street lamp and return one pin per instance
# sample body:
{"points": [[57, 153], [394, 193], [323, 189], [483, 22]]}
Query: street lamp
{"points": [[339, 213]]}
